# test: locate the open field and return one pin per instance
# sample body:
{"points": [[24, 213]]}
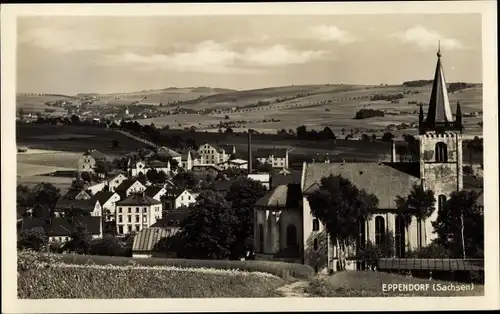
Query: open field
{"points": [[317, 106], [76, 139], [370, 284], [36, 103], [52, 279]]}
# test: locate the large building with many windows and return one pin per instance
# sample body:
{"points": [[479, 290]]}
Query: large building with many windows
{"points": [[438, 168], [136, 212]]}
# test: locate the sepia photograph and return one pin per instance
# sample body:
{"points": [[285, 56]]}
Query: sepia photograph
{"points": [[250, 154]]}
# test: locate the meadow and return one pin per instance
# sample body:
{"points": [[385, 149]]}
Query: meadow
{"points": [[49, 276]]}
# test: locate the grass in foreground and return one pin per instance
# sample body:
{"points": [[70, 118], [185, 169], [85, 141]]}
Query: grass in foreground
{"points": [[39, 279], [371, 284]]}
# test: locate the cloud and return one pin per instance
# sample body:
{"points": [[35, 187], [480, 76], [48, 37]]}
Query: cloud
{"points": [[210, 56], [331, 33], [425, 39]]}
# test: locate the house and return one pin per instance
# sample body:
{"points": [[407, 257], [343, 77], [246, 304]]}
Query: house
{"points": [[89, 160], [185, 198], [190, 158], [142, 167], [439, 168], [129, 186], [88, 207], [96, 187], [136, 212], [155, 192], [278, 231], [150, 242], [108, 202], [234, 164], [276, 157], [115, 181], [213, 154], [75, 194], [263, 178], [60, 229], [206, 169]]}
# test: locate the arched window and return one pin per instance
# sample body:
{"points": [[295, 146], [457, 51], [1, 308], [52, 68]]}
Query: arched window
{"points": [[361, 234], [399, 236], [315, 224], [379, 230], [291, 236], [441, 152], [441, 202], [261, 238]]}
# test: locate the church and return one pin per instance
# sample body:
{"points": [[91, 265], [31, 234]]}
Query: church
{"points": [[284, 228]]}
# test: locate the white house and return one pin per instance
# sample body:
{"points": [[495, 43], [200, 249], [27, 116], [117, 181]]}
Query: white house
{"points": [[108, 203], [142, 167], [115, 181], [88, 161], [155, 192], [277, 158], [129, 186], [137, 212], [190, 158], [96, 187], [60, 229], [185, 199], [90, 206], [212, 154], [234, 164]]}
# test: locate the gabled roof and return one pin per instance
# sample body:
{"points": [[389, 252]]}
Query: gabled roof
{"points": [[152, 190], [165, 151], [71, 194], [67, 204], [147, 239], [138, 199], [266, 152], [102, 197], [172, 218], [439, 105], [64, 226], [281, 179], [194, 154], [284, 196], [384, 180], [126, 184]]}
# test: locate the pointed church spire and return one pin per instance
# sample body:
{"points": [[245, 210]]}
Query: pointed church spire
{"points": [[421, 114], [439, 112]]}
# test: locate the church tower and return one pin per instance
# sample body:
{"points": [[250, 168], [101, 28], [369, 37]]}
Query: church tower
{"points": [[440, 144]]}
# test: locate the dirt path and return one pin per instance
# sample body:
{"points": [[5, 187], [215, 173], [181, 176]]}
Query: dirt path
{"points": [[293, 290]]}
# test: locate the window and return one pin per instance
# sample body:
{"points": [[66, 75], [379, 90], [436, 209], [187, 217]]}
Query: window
{"points": [[137, 227], [137, 219], [137, 210], [129, 218], [189, 197], [261, 238], [119, 210], [120, 229], [144, 219], [441, 152], [441, 202], [379, 230], [291, 236], [129, 210], [399, 236], [120, 219], [182, 198], [315, 224], [315, 244]]}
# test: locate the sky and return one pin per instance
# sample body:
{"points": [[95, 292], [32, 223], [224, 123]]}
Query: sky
{"points": [[83, 54]]}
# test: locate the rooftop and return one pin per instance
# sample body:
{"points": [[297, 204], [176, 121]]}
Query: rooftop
{"points": [[71, 204], [284, 196], [138, 199]]}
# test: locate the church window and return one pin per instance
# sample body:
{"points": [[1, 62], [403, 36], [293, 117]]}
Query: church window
{"points": [[441, 152], [441, 202], [379, 230], [315, 224], [399, 236], [291, 235]]}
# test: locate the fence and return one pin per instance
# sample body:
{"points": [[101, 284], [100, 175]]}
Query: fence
{"points": [[430, 264]]}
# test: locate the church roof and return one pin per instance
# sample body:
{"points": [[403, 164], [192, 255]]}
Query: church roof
{"points": [[439, 105], [384, 180], [285, 196]]}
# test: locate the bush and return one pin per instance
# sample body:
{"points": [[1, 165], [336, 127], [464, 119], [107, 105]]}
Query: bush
{"points": [[43, 278], [368, 113]]}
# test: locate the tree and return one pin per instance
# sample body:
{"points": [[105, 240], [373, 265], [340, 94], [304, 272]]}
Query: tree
{"points": [[387, 137], [46, 194], [142, 178], [374, 137], [419, 204], [34, 239], [365, 138], [103, 167], [24, 196], [243, 194], [108, 246], [80, 241], [75, 120], [460, 225], [207, 233], [301, 132], [86, 177], [340, 206], [115, 144]]}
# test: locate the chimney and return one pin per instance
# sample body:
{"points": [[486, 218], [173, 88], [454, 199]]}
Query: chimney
{"points": [[393, 151], [250, 170]]}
